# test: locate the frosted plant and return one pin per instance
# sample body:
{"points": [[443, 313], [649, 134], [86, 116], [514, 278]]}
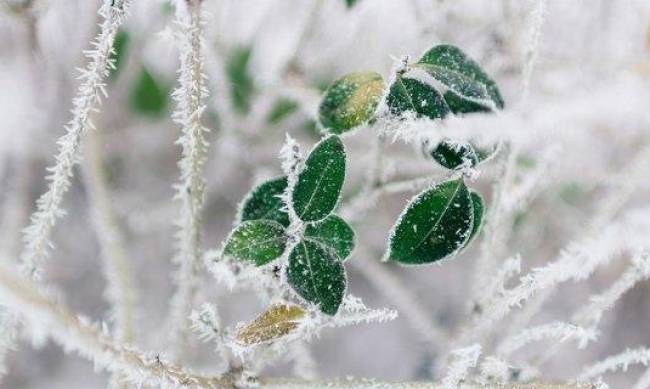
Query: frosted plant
{"points": [[89, 96], [466, 359], [189, 97], [447, 195]]}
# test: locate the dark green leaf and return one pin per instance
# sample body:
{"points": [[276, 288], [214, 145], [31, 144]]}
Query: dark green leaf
{"points": [[350, 3], [411, 95], [317, 276], [464, 77], [258, 241], [319, 185], [264, 202], [242, 85], [149, 97], [281, 110], [454, 155], [478, 207], [460, 106], [120, 47], [435, 225], [351, 101], [334, 234]]}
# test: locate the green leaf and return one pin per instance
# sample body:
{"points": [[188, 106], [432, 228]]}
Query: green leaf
{"points": [[317, 276], [120, 47], [478, 207], [281, 110], [454, 155], [411, 95], [334, 234], [350, 3], [264, 202], [242, 85], [258, 241], [460, 106], [464, 77], [149, 97], [435, 225], [351, 101], [319, 185]]}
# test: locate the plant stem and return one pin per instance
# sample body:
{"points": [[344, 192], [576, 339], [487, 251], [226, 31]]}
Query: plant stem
{"points": [[190, 191]]}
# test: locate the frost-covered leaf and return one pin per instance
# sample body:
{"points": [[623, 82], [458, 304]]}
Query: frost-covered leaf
{"points": [[435, 225], [264, 202], [478, 208], [259, 241], [149, 96], [120, 47], [319, 185], [457, 155], [334, 234], [351, 101], [462, 75], [411, 95], [317, 275], [459, 105], [277, 321], [454, 155], [241, 82]]}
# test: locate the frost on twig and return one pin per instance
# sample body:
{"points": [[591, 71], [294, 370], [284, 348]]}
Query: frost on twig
{"points": [[207, 324], [189, 96], [558, 330], [354, 311], [464, 360], [617, 362], [292, 163], [495, 287], [576, 263], [599, 304], [88, 98], [92, 342]]}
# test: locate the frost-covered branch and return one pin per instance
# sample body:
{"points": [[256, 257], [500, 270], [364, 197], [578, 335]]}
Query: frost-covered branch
{"points": [[88, 98], [599, 304], [617, 362], [361, 383], [576, 263], [464, 360], [557, 330], [189, 96], [90, 341]]}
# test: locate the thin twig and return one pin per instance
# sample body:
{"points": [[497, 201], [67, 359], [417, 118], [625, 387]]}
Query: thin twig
{"points": [[89, 95], [190, 97]]}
